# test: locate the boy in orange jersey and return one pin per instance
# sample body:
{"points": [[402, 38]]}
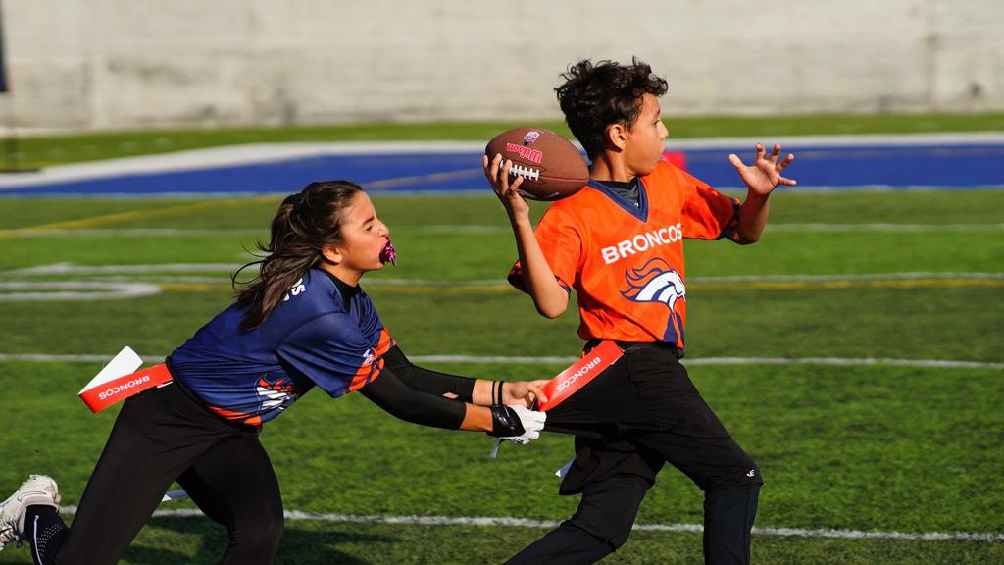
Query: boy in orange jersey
{"points": [[618, 242]]}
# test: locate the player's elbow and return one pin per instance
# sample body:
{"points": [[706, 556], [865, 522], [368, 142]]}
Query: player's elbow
{"points": [[551, 313], [550, 301], [551, 310], [745, 238]]}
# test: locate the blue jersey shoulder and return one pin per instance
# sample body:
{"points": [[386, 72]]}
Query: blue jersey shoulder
{"points": [[317, 335]]}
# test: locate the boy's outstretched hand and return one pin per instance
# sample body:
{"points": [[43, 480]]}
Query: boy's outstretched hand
{"points": [[764, 175], [497, 173]]}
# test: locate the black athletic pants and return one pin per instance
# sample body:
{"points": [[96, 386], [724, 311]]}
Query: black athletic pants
{"points": [[640, 413], [163, 435]]}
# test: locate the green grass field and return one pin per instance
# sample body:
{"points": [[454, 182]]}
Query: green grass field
{"points": [[876, 448]]}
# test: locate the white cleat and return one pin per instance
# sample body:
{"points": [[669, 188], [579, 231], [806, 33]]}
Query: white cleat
{"points": [[37, 490]]}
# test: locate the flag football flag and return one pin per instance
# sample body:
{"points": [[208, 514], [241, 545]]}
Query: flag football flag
{"points": [[585, 369], [119, 380]]}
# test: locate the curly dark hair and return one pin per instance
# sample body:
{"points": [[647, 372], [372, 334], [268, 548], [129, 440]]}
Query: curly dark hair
{"points": [[304, 224], [595, 96]]}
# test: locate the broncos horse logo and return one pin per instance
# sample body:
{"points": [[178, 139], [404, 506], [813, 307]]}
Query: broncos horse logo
{"points": [[657, 281], [275, 394]]}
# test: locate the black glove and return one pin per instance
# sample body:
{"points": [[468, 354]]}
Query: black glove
{"points": [[516, 423], [505, 422]]}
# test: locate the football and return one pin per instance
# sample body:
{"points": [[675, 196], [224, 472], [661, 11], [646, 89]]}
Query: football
{"points": [[550, 165]]}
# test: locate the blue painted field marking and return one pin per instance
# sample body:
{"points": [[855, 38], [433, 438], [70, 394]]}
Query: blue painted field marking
{"points": [[937, 161], [934, 166]]}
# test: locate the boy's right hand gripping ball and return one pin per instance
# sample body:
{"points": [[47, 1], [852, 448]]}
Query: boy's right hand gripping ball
{"points": [[550, 165]]}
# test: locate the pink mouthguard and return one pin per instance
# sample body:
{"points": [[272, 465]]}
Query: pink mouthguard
{"points": [[388, 254]]}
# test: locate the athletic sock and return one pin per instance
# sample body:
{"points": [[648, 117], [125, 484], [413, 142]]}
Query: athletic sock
{"points": [[44, 531]]}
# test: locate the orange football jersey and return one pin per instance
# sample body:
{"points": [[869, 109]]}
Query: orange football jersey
{"points": [[625, 262]]}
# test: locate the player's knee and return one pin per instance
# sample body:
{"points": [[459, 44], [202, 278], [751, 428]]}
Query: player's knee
{"points": [[259, 533], [748, 474], [742, 472]]}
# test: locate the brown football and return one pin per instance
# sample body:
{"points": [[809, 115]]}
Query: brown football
{"points": [[550, 165]]}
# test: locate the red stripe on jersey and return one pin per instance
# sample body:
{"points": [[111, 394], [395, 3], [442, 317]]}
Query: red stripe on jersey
{"points": [[236, 416], [370, 370]]}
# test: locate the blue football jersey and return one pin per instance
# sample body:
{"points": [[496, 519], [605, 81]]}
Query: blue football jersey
{"points": [[323, 333]]}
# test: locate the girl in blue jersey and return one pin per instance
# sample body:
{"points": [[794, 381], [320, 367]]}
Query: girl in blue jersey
{"points": [[303, 322]]}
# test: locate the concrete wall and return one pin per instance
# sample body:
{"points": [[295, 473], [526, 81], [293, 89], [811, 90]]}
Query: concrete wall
{"points": [[112, 64]]}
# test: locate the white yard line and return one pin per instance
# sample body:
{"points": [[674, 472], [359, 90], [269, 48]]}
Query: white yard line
{"points": [[566, 359], [73, 269], [33, 233], [845, 277], [171, 233], [901, 228], [46, 291], [510, 522]]}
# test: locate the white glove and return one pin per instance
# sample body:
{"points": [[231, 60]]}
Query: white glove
{"points": [[533, 423]]}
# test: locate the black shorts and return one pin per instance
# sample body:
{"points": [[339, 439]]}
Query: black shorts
{"points": [[642, 412], [163, 435]]}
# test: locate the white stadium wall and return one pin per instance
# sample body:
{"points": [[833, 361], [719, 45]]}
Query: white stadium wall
{"points": [[115, 64]]}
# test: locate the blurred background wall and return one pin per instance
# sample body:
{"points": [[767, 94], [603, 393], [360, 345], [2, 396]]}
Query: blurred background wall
{"points": [[116, 64]]}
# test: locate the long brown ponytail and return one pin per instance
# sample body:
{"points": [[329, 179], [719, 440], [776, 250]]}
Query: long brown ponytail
{"points": [[304, 224]]}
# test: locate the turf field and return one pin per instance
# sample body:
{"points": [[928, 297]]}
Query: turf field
{"points": [[862, 459]]}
